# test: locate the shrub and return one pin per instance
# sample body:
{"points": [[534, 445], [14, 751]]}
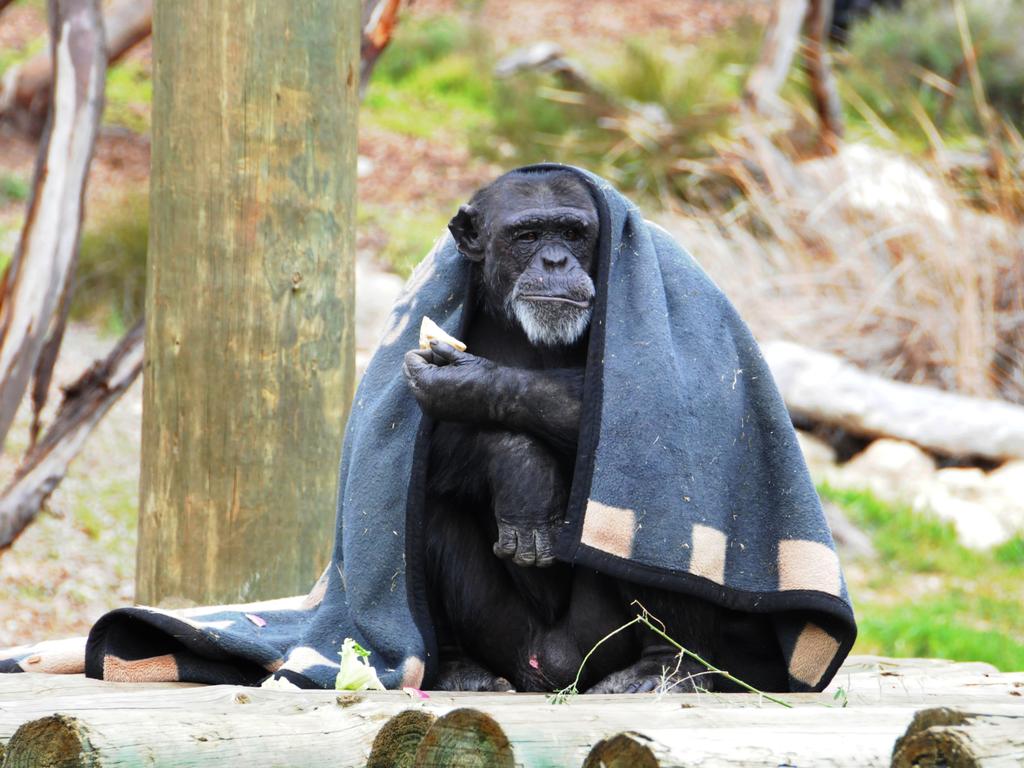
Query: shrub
{"points": [[897, 57], [110, 284]]}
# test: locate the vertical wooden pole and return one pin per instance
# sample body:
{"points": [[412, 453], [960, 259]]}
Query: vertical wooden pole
{"points": [[249, 341]]}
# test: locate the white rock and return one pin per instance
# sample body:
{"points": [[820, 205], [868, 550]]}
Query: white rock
{"points": [[969, 484], [1009, 479], [871, 181], [893, 470], [977, 525]]}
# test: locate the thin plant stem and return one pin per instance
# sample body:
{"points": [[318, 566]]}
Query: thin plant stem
{"points": [[644, 617], [571, 689], [708, 665]]}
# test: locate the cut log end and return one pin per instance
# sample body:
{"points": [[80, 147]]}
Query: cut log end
{"points": [[465, 738], [624, 750], [54, 740], [946, 737], [396, 743]]}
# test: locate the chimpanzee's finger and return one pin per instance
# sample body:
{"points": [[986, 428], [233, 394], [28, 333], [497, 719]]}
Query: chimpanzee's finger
{"points": [[643, 685], [526, 552], [507, 542], [444, 352], [545, 548]]}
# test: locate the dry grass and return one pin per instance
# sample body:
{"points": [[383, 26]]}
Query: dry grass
{"points": [[867, 255]]}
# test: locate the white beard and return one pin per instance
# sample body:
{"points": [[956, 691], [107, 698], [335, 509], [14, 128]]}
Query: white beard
{"points": [[549, 324]]}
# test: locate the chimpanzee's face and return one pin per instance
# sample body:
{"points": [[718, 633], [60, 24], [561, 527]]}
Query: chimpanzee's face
{"points": [[537, 239]]}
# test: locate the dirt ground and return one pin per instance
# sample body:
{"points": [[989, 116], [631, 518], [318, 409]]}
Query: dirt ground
{"points": [[77, 560]]}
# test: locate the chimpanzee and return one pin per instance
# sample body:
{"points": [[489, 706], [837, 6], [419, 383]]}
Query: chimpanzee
{"points": [[506, 423]]}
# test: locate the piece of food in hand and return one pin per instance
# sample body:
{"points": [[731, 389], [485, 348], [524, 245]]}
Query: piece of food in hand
{"points": [[431, 331]]}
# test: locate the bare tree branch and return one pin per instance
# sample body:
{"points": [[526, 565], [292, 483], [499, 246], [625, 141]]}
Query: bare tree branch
{"points": [[819, 68], [85, 402], [126, 23], [37, 276], [379, 20], [782, 40]]}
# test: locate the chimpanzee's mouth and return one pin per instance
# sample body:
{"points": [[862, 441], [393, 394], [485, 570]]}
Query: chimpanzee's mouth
{"points": [[557, 299]]}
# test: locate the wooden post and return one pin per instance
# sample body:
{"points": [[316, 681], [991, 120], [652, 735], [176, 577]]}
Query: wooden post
{"points": [[249, 336]]}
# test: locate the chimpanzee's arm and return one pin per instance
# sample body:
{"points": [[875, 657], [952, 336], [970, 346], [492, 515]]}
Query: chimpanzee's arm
{"points": [[456, 386], [544, 403]]}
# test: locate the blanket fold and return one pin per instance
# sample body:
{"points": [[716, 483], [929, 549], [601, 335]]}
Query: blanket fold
{"points": [[688, 476]]}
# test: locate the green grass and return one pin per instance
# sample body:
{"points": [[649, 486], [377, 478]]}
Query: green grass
{"points": [[113, 505], [410, 233], [11, 56], [695, 89], [110, 283], [129, 97], [914, 56], [433, 79], [13, 188], [928, 595]]}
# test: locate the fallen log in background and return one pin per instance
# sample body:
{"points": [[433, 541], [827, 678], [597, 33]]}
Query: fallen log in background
{"points": [[825, 388]]}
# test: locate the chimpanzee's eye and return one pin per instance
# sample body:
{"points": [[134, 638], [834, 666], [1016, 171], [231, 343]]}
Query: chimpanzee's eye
{"points": [[527, 236], [572, 234]]}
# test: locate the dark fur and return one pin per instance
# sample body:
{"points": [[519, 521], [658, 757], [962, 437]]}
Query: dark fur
{"points": [[501, 460]]}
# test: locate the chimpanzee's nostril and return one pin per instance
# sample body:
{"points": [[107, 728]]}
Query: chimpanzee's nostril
{"points": [[554, 258]]}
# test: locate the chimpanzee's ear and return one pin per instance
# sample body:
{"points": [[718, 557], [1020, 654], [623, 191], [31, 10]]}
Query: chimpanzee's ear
{"points": [[467, 237]]}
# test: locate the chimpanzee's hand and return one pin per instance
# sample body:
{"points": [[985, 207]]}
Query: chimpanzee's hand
{"points": [[450, 385], [526, 544]]}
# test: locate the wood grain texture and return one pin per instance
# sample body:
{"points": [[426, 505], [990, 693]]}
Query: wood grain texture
{"points": [[249, 335], [222, 725]]}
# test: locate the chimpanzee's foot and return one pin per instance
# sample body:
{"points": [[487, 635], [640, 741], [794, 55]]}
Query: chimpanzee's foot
{"points": [[664, 674], [466, 675]]}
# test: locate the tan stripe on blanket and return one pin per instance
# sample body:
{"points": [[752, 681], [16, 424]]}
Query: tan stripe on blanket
{"points": [[57, 657], [814, 651], [157, 669], [609, 529], [412, 672], [808, 565], [707, 553]]}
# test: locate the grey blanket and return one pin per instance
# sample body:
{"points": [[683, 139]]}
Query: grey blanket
{"points": [[688, 476]]}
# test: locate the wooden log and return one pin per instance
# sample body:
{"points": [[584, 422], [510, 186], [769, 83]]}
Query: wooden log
{"points": [[396, 743], [880, 697], [825, 388], [624, 750], [958, 739], [537, 735], [465, 738], [249, 334], [44, 259], [33, 686]]}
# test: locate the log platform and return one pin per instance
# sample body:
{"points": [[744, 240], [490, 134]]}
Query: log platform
{"points": [[877, 712]]}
